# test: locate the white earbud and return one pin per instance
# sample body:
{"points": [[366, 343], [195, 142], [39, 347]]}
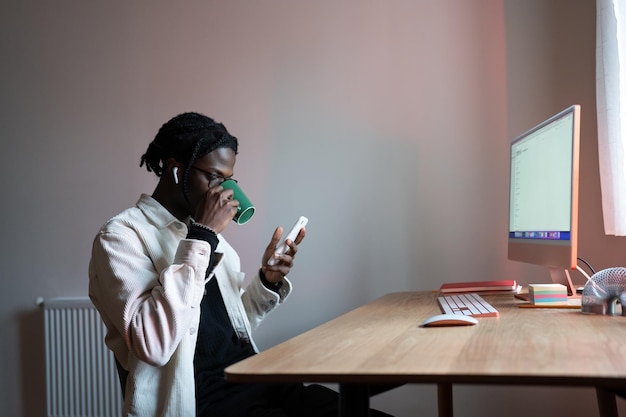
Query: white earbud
{"points": [[175, 173]]}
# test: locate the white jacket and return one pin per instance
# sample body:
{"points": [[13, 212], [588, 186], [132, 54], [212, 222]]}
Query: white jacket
{"points": [[147, 281]]}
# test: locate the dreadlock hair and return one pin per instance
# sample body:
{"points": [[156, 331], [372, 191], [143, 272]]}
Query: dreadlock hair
{"points": [[186, 138]]}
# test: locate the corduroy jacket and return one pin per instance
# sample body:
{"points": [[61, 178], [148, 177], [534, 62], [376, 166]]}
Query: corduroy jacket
{"points": [[147, 281]]}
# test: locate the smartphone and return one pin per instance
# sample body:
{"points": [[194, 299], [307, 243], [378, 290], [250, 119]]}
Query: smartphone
{"points": [[293, 233]]}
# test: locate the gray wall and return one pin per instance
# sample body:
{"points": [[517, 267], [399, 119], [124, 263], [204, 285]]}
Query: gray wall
{"points": [[386, 123]]}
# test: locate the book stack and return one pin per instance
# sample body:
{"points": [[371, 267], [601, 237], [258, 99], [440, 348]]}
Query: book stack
{"points": [[548, 294], [506, 286]]}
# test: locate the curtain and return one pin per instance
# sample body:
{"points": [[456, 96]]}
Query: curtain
{"points": [[611, 107]]}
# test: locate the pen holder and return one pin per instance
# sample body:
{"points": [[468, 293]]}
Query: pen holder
{"points": [[604, 290]]}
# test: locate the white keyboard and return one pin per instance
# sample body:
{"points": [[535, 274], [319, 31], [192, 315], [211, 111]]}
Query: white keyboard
{"points": [[470, 304]]}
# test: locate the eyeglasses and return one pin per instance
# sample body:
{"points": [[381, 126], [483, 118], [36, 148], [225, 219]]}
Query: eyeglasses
{"points": [[213, 178]]}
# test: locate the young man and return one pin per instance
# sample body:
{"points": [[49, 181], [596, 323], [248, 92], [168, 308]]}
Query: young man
{"points": [[169, 288]]}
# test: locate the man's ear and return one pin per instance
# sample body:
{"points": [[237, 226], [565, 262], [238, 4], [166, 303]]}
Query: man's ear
{"points": [[173, 166]]}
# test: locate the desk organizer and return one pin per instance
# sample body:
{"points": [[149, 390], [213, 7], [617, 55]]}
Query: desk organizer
{"points": [[604, 290]]}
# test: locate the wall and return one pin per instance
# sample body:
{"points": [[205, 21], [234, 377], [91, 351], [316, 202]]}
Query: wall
{"points": [[386, 123]]}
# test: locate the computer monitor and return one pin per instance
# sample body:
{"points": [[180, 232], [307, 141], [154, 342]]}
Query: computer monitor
{"points": [[543, 207]]}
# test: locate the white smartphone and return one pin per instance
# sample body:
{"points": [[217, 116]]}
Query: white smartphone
{"points": [[293, 233]]}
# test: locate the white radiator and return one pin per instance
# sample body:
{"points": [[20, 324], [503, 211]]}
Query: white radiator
{"points": [[81, 378]]}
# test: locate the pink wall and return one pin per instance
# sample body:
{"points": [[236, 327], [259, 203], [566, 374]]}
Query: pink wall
{"points": [[386, 123]]}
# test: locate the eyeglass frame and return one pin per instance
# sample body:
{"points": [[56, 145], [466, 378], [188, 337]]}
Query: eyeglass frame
{"points": [[213, 176]]}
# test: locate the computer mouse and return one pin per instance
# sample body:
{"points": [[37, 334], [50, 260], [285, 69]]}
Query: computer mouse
{"points": [[441, 320]]}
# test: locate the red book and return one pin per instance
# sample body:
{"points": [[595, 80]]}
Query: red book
{"points": [[499, 286]]}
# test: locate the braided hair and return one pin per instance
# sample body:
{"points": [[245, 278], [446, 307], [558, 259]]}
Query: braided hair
{"points": [[186, 138]]}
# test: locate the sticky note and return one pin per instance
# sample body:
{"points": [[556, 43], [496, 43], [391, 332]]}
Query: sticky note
{"points": [[548, 294]]}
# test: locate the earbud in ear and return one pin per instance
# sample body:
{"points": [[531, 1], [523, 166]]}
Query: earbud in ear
{"points": [[175, 173]]}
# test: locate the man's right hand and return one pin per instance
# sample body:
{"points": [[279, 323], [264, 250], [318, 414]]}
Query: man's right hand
{"points": [[217, 209]]}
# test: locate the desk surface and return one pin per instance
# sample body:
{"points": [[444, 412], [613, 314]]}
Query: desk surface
{"points": [[381, 342]]}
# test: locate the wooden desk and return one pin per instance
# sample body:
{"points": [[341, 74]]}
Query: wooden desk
{"points": [[382, 343]]}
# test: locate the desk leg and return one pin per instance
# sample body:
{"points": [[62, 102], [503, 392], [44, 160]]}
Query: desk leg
{"points": [[606, 403], [354, 400], [444, 400]]}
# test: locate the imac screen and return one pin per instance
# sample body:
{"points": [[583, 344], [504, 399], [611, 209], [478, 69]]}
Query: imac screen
{"points": [[543, 207]]}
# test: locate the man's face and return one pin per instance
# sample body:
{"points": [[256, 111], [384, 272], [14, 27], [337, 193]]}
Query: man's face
{"points": [[207, 172]]}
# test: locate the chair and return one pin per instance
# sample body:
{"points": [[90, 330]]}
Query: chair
{"points": [[123, 374]]}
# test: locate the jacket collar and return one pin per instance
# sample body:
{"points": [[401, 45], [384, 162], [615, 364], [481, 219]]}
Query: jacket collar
{"points": [[156, 213]]}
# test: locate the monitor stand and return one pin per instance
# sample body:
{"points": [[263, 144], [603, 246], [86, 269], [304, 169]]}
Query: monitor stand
{"points": [[561, 276]]}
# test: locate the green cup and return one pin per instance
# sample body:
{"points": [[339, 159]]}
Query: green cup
{"points": [[246, 208]]}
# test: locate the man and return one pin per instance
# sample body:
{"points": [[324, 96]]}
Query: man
{"points": [[169, 288]]}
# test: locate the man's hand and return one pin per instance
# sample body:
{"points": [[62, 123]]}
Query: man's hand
{"points": [[277, 272], [217, 209]]}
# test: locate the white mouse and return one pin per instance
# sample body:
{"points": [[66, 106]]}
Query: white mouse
{"points": [[449, 320]]}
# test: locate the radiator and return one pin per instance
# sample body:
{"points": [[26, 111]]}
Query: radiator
{"points": [[81, 378]]}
